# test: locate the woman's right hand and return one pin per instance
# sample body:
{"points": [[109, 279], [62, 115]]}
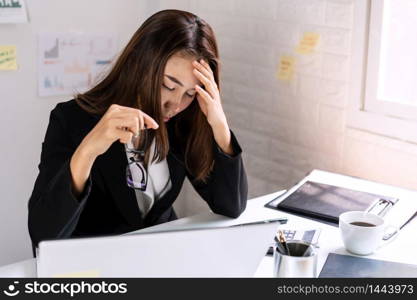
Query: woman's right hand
{"points": [[118, 123]]}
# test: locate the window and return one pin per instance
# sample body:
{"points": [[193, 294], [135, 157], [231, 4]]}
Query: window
{"points": [[385, 56]]}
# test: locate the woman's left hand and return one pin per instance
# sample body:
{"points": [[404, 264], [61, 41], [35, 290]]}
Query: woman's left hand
{"points": [[211, 105], [209, 97]]}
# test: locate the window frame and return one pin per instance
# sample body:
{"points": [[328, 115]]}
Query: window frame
{"points": [[394, 120]]}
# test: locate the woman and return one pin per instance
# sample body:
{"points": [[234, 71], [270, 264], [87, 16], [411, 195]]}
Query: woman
{"points": [[166, 80]]}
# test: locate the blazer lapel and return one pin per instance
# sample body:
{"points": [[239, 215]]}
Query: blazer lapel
{"points": [[177, 175]]}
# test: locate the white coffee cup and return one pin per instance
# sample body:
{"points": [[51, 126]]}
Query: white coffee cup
{"points": [[360, 238]]}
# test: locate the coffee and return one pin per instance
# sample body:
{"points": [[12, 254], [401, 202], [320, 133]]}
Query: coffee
{"points": [[363, 224], [362, 232]]}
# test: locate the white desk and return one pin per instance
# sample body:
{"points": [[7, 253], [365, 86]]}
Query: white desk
{"points": [[402, 249]]}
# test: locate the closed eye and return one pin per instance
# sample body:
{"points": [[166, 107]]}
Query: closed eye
{"points": [[168, 88]]}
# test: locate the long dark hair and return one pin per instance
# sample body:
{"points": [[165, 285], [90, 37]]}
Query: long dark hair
{"points": [[135, 80]]}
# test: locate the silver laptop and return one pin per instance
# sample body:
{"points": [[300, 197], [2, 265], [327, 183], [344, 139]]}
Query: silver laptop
{"points": [[213, 252]]}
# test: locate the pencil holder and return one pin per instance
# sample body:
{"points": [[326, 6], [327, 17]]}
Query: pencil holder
{"points": [[301, 261]]}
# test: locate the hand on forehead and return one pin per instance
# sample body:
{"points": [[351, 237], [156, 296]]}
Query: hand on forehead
{"points": [[179, 71]]}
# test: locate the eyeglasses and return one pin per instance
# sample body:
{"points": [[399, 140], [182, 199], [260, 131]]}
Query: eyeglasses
{"points": [[136, 173]]}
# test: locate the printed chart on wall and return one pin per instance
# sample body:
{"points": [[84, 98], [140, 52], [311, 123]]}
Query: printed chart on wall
{"points": [[71, 63], [13, 11]]}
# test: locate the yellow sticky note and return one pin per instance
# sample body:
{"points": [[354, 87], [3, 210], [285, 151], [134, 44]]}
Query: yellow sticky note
{"points": [[8, 58], [85, 273], [308, 43], [286, 67]]}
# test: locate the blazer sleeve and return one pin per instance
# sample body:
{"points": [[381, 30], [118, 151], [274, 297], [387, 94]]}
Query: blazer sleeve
{"points": [[226, 190], [53, 208]]}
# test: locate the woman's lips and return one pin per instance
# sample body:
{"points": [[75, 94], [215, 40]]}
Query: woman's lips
{"points": [[166, 119]]}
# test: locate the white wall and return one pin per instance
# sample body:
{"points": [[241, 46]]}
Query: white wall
{"points": [[289, 128], [24, 116]]}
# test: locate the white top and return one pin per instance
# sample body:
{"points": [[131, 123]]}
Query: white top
{"points": [[159, 182]]}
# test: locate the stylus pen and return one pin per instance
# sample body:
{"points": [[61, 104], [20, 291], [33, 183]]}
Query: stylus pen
{"points": [[409, 220], [280, 220]]}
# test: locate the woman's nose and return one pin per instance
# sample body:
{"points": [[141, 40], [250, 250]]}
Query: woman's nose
{"points": [[174, 104]]}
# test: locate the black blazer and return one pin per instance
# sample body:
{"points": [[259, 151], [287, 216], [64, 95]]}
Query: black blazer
{"points": [[107, 205]]}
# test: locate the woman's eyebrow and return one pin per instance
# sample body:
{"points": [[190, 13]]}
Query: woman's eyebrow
{"points": [[174, 79]]}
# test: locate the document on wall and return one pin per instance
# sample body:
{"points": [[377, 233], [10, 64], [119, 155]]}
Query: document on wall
{"points": [[70, 63], [13, 11], [8, 58]]}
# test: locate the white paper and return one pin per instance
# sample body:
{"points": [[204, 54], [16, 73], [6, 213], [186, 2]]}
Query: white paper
{"points": [[71, 63], [13, 11]]}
